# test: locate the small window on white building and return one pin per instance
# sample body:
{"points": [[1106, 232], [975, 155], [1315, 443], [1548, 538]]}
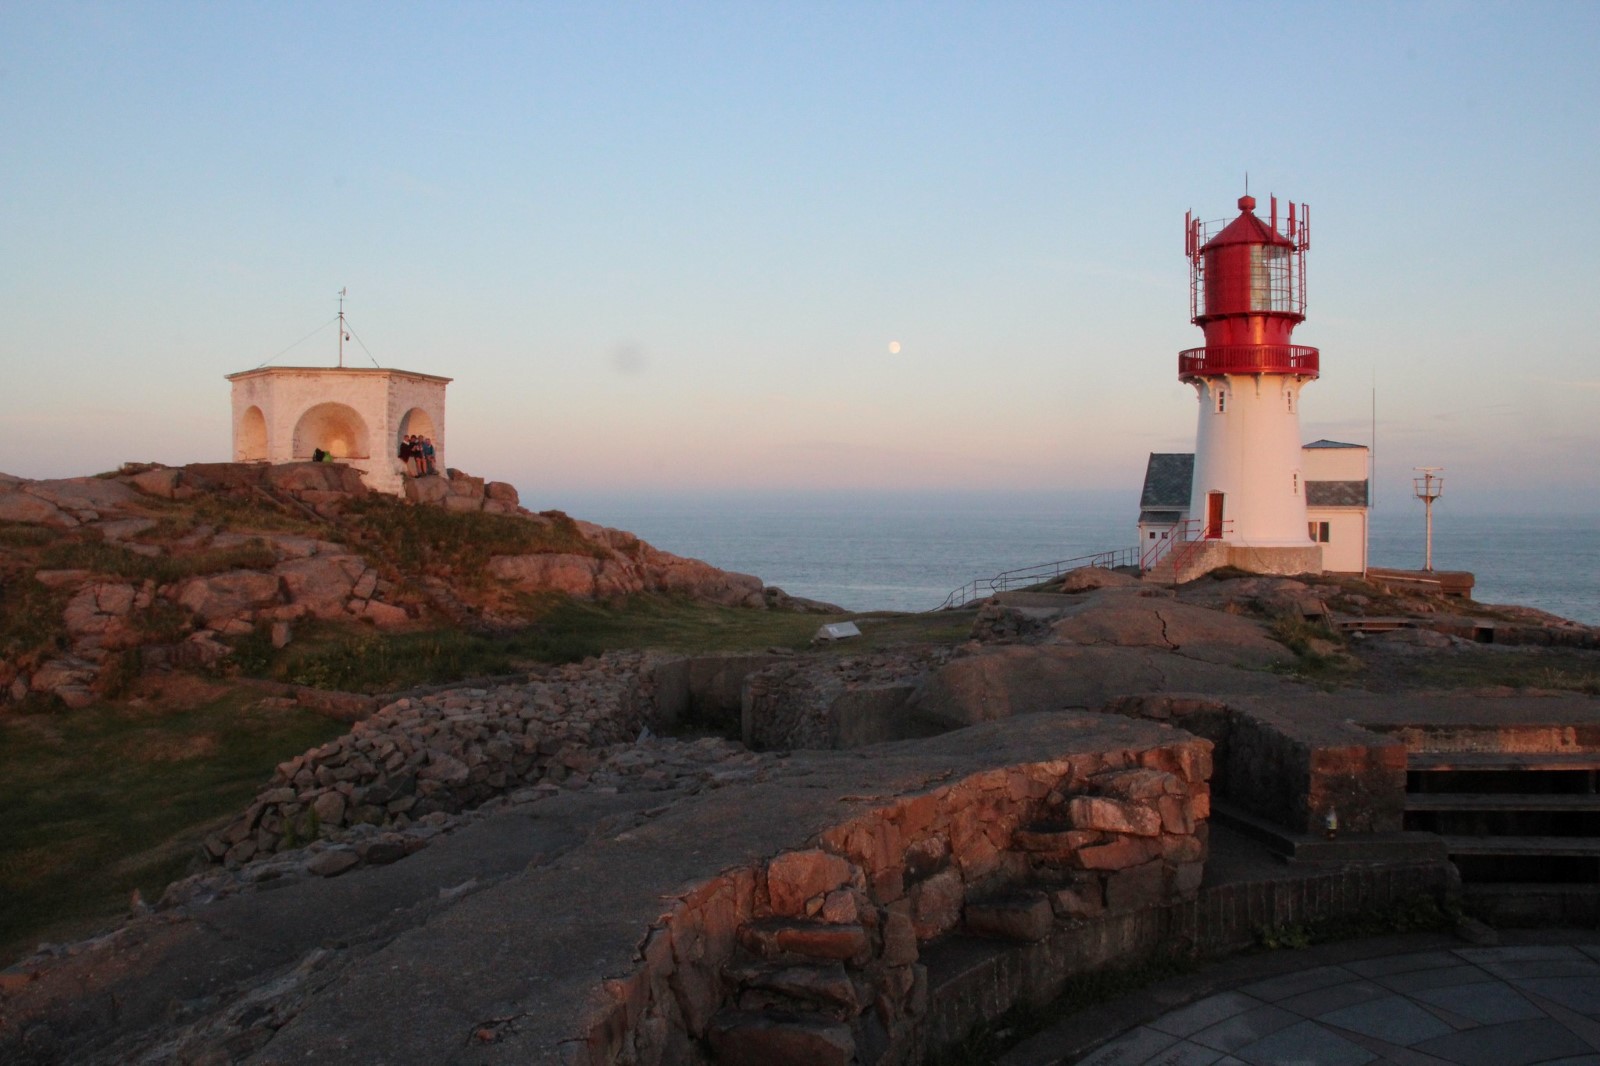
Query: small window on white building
{"points": [[1152, 534], [1288, 396], [1222, 400], [1294, 486], [1319, 531]]}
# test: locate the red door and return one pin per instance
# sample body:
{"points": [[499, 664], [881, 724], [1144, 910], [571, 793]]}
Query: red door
{"points": [[1213, 516]]}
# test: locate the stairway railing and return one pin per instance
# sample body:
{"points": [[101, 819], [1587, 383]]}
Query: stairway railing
{"points": [[1024, 576], [1182, 531]]}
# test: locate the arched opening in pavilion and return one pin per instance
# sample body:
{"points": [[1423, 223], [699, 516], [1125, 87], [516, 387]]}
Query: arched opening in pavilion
{"points": [[251, 446], [333, 427]]}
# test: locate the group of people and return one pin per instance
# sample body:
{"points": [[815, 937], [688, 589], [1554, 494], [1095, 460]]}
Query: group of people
{"points": [[416, 452]]}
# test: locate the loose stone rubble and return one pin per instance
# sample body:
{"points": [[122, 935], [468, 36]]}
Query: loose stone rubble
{"points": [[445, 753]]}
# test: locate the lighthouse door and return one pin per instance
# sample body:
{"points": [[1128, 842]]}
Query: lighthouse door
{"points": [[1213, 516]]}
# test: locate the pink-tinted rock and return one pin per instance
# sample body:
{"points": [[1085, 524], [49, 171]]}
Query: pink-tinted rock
{"points": [[573, 575], [796, 876], [161, 482], [1118, 854], [936, 904], [384, 615], [218, 597], [1112, 816], [24, 507], [98, 608], [56, 579], [1137, 784], [321, 583], [811, 939]]}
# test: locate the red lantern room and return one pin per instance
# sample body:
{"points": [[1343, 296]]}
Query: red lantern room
{"points": [[1247, 290]]}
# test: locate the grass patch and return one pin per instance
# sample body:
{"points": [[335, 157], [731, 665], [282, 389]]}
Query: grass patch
{"points": [[30, 617], [437, 540], [563, 630], [98, 802], [102, 557], [1320, 654], [24, 535], [1418, 914], [1560, 669]]}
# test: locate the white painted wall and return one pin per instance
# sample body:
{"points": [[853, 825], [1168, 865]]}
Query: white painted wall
{"points": [[1346, 549], [1250, 452], [377, 403]]}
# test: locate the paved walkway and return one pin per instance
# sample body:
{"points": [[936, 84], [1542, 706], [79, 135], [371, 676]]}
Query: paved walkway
{"points": [[1513, 1005]]}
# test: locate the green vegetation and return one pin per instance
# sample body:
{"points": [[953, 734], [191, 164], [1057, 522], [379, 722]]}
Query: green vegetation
{"points": [[114, 560], [1320, 655], [98, 802], [30, 617], [438, 540], [563, 630], [1421, 913], [1561, 669]]}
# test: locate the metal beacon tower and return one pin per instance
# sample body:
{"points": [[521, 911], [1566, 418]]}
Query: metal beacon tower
{"points": [[1247, 291]]}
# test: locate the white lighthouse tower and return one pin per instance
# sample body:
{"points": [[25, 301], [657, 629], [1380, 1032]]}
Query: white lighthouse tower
{"points": [[1247, 291]]}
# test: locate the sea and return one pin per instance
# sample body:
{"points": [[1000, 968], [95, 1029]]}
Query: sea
{"points": [[909, 551]]}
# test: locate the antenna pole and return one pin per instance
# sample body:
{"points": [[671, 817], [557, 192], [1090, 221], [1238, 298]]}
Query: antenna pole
{"points": [[341, 327], [1428, 488]]}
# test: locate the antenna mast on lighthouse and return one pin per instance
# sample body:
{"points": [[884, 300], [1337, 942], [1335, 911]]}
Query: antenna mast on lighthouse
{"points": [[343, 336]]}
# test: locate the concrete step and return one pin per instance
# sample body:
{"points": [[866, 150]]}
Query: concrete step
{"points": [[1582, 847], [1491, 801], [1446, 761], [1350, 847]]}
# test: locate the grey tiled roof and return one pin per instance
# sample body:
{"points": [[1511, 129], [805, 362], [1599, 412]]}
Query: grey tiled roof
{"points": [[1332, 444], [1336, 494], [1167, 480]]}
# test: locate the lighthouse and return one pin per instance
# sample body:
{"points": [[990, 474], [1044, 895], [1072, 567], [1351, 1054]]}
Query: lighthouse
{"points": [[1247, 292], [1252, 496]]}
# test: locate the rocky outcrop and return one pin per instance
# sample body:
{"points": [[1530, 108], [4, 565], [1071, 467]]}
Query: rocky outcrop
{"points": [[626, 566], [228, 577]]}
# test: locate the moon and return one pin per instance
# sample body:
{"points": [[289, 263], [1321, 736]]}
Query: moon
{"points": [[894, 347]]}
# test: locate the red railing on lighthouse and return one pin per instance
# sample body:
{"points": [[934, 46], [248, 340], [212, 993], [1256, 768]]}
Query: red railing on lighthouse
{"points": [[1248, 359]]}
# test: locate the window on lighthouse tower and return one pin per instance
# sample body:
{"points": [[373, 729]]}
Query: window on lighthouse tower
{"points": [[1222, 400], [1269, 278]]}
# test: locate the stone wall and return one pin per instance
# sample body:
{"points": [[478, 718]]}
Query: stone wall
{"points": [[447, 753], [838, 703], [1290, 770], [816, 956]]}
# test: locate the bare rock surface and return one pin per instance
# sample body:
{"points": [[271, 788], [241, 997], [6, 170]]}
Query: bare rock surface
{"points": [[1139, 619], [493, 943]]}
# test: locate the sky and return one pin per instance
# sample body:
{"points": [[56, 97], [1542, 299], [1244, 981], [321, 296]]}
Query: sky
{"points": [[794, 247]]}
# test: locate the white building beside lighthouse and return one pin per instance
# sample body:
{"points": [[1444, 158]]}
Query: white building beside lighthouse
{"points": [[1245, 497]]}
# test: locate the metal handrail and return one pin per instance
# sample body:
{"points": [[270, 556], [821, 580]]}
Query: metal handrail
{"points": [[1249, 358], [1023, 576], [1179, 532]]}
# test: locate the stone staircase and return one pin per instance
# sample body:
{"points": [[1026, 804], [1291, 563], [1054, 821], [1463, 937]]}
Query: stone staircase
{"points": [[1523, 828]]}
